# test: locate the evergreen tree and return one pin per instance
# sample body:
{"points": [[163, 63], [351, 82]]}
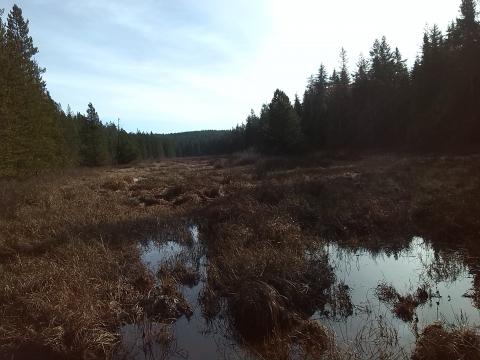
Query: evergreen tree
{"points": [[428, 90], [70, 129], [384, 79], [94, 150], [314, 119], [298, 107], [4, 113], [360, 124], [339, 122], [467, 80], [283, 125], [31, 136], [344, 75], [433, 107], [252, 130], [126, 149]]}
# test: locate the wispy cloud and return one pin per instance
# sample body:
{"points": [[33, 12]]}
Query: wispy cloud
{"points": [[165, 65]]}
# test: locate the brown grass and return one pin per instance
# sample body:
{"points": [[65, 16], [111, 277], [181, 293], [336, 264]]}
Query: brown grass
{"points": [[307, 340], [70, 272], [437, 342], [164, 303], [258, 263], [404, 306], [62, 304], [183, 273], [69, 267]]}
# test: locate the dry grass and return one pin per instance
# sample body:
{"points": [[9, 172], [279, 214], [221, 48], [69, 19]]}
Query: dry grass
{"points": [[404, 306], [183, 273], [69, 268], [70, 272], [258, 263], [437, 342], [340, 301], [307, 340], [377, 339], [164, 303], [68, 301], [285, 206]]}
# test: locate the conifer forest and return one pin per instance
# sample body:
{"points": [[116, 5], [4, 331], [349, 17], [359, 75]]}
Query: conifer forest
{"points": [[339, 223]]}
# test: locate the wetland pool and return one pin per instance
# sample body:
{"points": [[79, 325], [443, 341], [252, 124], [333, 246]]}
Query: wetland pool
{"points": [[447, 280]]}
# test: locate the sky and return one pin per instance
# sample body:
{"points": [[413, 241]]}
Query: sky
{"points": [[180, 65]]}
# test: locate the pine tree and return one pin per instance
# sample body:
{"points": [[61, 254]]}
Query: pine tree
{"points": [[467, 82], [467, 22], [126, 149], [32, 137], [70, 131], [298, 107], [252, 130], [313, 121], [344, 75], [382, 62], [360, 116], [386, 78], [339, 122], [283, 127], [94, 150], [3, 80]]}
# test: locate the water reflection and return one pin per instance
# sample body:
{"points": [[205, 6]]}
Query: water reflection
{"points": [[354, 312], [191, 337], [406, 270]]}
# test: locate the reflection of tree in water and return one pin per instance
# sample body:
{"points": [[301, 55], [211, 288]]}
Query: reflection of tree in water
{"points": [[340, 302], [268, 305], [476, 290], [442, 265]]}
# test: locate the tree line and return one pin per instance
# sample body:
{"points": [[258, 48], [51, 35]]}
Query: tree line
{"points": [[381, 105], [434, 106], [36, 133]]}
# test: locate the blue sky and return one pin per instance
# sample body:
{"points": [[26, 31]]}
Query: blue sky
{"points": [[178, 65]]}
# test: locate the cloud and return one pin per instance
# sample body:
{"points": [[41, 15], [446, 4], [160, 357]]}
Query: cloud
{"points": [[168, 66]]}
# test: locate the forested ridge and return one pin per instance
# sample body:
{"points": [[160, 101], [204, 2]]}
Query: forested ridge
{"points": [[382, 105]]}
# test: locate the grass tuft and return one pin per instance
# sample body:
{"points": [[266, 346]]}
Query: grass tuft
{"points": [[437, 342]]}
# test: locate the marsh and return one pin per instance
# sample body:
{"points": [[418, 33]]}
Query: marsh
{"points": [[265, 258]]}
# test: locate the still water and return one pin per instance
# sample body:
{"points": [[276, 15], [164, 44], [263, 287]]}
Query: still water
{"points": [[448, 279], [195, 338]]}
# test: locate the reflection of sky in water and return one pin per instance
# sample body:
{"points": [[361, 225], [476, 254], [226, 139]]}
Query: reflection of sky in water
{"points": [[154, 255], [361, 270], [194, 338], [406, 271]]}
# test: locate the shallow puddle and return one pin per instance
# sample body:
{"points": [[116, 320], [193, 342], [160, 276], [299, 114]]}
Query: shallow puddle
{"points": [[448, 281], [444, 274], [194, 337]]}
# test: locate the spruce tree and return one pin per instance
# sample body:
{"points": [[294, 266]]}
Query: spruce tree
{"points": [[32, 137], [344, 75], [360, 114], [339, 122], [94, 150], [298, 107], [252, 130], [284, 133], [313, 122], [3, 81]]}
